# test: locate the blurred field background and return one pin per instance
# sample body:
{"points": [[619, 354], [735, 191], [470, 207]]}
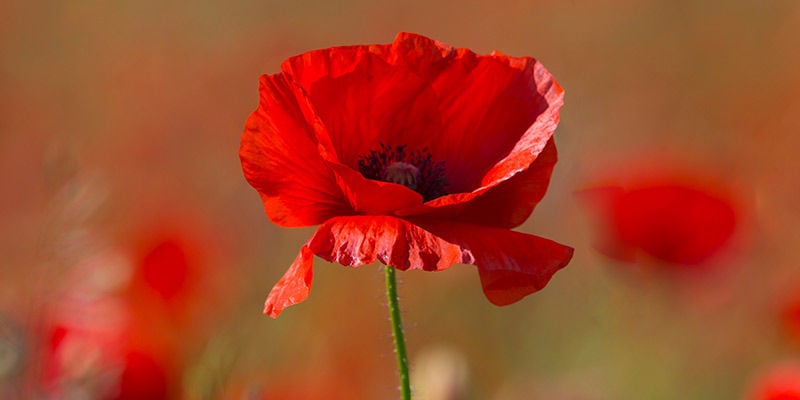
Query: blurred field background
{"points": [[119, 131]]}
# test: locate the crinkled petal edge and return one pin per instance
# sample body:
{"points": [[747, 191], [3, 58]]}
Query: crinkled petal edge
{"points": [[511, 264]]}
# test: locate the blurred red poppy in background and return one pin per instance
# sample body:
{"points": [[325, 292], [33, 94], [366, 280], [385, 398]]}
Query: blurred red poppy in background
{"points": [[104, 363], [414, 153], [128, 316], [165, 267], [790, 316], [779, 382], [672, 218], [173, 272]]}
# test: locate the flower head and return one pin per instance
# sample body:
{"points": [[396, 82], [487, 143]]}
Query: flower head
{"points": [[779, 382], [415, 154], [680, 220], [790, 316]]}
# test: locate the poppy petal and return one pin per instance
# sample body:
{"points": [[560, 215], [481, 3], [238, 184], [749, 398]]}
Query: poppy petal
{"points": [[511, 264], [675, 223], [294, 286], [371, 197], [506, 205], [423, 93], [360, 240], [280, 159], [394, 105], [511, 202], [672, 220], [514, 101]]}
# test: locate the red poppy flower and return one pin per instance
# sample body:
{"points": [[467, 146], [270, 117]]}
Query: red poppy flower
{"points": [[413, 153], [165, 268], [143, 376], [790, 316], [780, 382], [103, 361], [168, 261], [674, 220]]}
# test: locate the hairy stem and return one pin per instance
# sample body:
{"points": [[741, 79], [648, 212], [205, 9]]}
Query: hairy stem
{"points": [[397, 333]]}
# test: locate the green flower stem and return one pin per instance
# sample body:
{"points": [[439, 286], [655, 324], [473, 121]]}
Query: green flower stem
{"points": [[397, 333]]}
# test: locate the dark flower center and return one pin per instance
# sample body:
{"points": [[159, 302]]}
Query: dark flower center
{"points": [[415, 170]]}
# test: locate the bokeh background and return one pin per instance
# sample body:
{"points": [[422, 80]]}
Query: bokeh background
{"points": [[135, 257]]}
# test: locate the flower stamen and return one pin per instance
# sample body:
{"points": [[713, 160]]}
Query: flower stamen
{"points": [[415, 170], [403, 173]]}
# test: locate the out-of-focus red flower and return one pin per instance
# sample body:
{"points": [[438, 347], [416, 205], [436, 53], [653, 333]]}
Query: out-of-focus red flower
{"points": [[173, 276], [780, 382], [414, 153], [790, 317], [168, 264], [143, 377], [103, 352], [89, 360], [165, 268], [672, 219], [127, 318]]}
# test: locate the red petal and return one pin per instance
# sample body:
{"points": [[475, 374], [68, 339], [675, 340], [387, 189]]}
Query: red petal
{"points": [[294, 286], [360, 240], [370, 197], [507, 204], [486, 117], [166, 268], [780, 381], [500, 112], [601, 201], [790, 316], [355, 241], [143, 377], [362, 100], [281, 160], [511, 264], [677, 224]]}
